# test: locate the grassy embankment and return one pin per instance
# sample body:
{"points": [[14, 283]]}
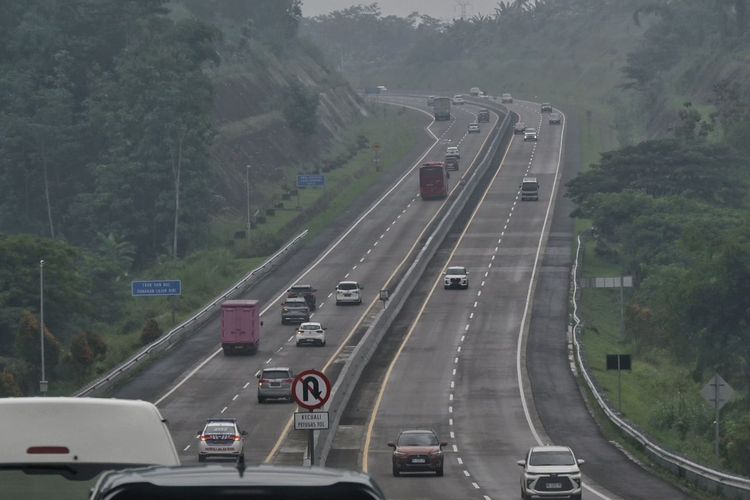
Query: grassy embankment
{"points": [[207, 273]]}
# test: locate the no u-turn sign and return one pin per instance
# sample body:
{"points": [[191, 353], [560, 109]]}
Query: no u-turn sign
{"points": [[311, 389]]}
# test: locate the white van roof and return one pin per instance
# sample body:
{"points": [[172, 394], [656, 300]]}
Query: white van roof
{"points": [[84, 431]]}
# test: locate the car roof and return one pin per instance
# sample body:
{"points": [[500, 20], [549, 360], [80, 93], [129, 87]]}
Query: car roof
{"points": [[309, 323], [535, 449], [220, 475], [456, 267], [349, 282], [299, 285], [275, 368], [418, 431], [529, 179], [232, 421]]}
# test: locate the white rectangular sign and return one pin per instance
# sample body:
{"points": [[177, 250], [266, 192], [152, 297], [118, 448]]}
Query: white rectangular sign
{"points": [[316, 420]]}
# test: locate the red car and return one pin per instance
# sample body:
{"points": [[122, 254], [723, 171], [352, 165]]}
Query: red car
{"points": [[417, 451]]}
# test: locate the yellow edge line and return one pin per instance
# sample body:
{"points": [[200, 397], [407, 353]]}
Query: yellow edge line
{"points": [[290, 421], [381, 392]]}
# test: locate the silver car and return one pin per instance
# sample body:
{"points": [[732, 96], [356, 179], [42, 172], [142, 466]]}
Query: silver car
{"points": [[275, 383], [551, 472], [221, 438]]}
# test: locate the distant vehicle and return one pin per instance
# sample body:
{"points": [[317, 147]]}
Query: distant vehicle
{"points": [[348, 292], [475, 91], [529, 134], [506, 98], [310, 333], [66, 442], [433, 180], [519, 128], [382, 89], [431, 100], [551, 472], [441, 108], [546, 107], [294, 310], [458, 99], [453, 151], [417, 451], [483, 116], [451, 163], [555, 118], [240, 326], [220, 482], [456, 277], [275, 383], [529, 189], [371, 90], [305, 291], [473, 127], [221, 438]]}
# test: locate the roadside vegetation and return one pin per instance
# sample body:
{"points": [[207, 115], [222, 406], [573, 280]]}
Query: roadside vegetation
{"points": [[659, 87], [114, 167]]}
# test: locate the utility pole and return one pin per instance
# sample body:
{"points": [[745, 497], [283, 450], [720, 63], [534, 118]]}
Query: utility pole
{"points": [[43, 381], [463, 5]]}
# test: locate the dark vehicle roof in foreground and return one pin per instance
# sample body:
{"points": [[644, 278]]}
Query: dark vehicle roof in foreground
{"points": [[221, 481]]}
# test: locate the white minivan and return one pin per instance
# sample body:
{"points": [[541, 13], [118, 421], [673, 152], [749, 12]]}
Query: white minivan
{"points": [[55, 447], [348, 292]]}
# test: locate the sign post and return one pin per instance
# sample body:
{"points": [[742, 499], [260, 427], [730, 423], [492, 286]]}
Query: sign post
{"points": [[384, 296], [311, 390], [618, 362], [717, 392]]}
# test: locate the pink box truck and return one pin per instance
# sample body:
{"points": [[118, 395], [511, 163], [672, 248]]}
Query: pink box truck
{"points": [[240, 326]]}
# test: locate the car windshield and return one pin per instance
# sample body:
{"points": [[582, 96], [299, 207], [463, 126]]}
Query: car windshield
{"points": [[276, 374], [219, 429], [310, 326], [417, 439], [347, 286], [551, 458], [295, 301], [456, 270]]}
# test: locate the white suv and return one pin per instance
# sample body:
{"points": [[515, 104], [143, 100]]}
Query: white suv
{"points": [[456, 277], [310, 333], [348, 292], [551, 472], [453, 151]]}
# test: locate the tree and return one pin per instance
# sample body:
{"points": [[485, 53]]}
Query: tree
{"points": [[301, 109], [8, 386], [85, 349], [151, 331], [28, 343]]}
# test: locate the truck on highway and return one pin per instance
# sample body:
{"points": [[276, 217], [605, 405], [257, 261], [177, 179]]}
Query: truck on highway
{"points": [[433, 180], [441, 107], [240, 326]]}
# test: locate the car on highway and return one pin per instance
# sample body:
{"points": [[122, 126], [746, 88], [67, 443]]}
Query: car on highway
{"points": [[529, 189], [294, 310], [275, 383], [456, 277], [451, 163], [305, 291], [546, 107], [529, 134], [382, 89], [348, 292], [221, 438], [458, 99], [506, 98], [453, 151], [475, 92], [551, 472], [519, 128], [483, 116], [417, 450], [220, 482], [310, 333], [430, 100], [473, 128], [555, 118]]}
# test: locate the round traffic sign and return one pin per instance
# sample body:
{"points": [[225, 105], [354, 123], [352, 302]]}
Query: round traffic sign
{"points": [[311, 389]]}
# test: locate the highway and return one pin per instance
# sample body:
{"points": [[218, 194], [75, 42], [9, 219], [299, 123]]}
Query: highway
{"points": [[463, 367], [196, 382]]}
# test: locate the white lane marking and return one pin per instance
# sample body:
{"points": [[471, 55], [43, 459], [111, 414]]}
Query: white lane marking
{"points": [[479, 293], [455, 360], [321, 305], [466, 473], [224, 409], [454, 371], [256, 374], [458, 349], [291, 338], [268, 360], [347, 275], [466, 328], [475, 304], [369, 252], [375, 244], [235, 397], [282, 347], [450, 397], [459, 460], [483, 283], [246, 384], [471, 316], [450, 409], [186, 447], [453, 384], [490, 264], [455, 448], [382, 235], [450, 421], [354, 268], [485, 497], [330, 294], [361, 260], [387, 229], [475, 485], [463, 337], [453, 435]]}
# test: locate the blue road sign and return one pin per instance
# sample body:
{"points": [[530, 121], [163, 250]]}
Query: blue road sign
{"points": [[155, 288], [306, 181]]}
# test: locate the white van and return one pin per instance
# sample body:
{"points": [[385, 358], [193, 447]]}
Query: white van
{"points": [[54, 446]]}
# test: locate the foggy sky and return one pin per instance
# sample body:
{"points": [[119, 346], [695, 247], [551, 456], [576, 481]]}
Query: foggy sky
{"points": [[444, 9]]}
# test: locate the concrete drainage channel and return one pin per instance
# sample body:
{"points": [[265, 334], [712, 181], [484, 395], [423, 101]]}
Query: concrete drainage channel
{"points": [[402, 288]]}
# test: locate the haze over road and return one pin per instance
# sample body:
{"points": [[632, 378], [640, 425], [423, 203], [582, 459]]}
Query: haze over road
{"points": [[444, 9]]}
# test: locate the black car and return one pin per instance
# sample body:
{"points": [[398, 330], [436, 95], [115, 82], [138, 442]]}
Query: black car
{"points": [[305, 291], [215, 482]]}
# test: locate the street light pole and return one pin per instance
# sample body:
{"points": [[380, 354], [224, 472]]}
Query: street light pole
{"points": [[247, 182], [43, 381]]}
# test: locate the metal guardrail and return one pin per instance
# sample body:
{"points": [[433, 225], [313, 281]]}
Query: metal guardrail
{"points": [[363, 352], [189, 325], [705, 478]]}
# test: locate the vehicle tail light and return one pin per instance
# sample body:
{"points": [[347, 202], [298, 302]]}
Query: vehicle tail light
{"points": [[47, 450], [262, 381], [204, 437], [237, 437]]}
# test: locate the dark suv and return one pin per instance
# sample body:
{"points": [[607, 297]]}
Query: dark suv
{"points": [[294, 310], [483, 116], [305, 291]]}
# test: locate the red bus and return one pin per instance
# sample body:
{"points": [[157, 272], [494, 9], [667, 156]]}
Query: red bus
{"points": [[433, 180]]}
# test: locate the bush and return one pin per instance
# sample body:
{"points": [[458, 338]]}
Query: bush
{"points": [[150, 332]]}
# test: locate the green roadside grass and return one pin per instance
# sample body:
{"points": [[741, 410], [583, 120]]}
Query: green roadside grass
{"points": [[207, 273]]}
